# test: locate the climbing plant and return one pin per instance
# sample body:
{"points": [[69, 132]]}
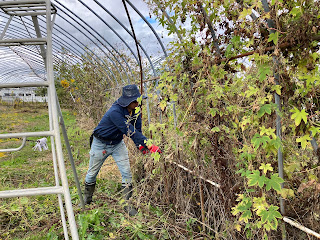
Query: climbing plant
{"points": [[226, 66]]}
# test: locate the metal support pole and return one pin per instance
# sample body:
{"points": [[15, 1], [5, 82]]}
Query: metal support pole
{"points": [[174, 114], [76, 179], [38, 32], [271, 24], [148, 106], [52, 96], [56, 175], [6, 28], [278, 132], [150, 26]]}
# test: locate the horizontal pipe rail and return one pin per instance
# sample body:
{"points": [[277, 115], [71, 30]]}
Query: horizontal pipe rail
{"points": [[27, 134], [25, 41], [31, 192], [301, 227], [27, 13], [15, 149], [32, 7], [10, 3], [26, 84], [22, 6]]}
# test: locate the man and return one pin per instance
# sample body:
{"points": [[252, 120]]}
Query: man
{"points": [[107, 140]]}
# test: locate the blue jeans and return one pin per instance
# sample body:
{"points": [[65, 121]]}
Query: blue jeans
{"points": [[98, 154]]}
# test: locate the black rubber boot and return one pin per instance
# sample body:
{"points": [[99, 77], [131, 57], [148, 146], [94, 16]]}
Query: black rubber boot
{"points": [[88, 192], [126, 194]]}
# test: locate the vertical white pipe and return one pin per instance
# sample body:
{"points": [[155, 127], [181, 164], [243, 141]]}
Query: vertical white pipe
{"points": [[56, 175], [52, 94]]}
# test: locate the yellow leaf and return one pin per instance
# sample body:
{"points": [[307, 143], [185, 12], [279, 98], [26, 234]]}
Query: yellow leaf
{"points": [[125, 223], [2, 154], [137, 110], [244, 13], [163, 105], [285, 193], [237, 227]]}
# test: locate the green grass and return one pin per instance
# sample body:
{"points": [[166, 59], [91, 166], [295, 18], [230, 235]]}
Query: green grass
{"points": [[32, 217], [38, 217]]}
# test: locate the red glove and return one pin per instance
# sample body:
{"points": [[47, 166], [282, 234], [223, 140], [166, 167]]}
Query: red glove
{"points": [[143, 149], [153, 148]]}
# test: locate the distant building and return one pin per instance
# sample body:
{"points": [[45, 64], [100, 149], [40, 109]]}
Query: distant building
{"points": [[22, 94]]}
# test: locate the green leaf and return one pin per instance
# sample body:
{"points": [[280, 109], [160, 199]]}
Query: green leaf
{"points": [[274, 182], [274, 145], [156, 156], [244, 173], [246, 215], [256, 179], [251, 91], [270, 217], [139, 99], [215, 129], [267, 108], [174, 97], [213, 111], [296, 11], [274, 37], [163, 105], [314, 130], [247, 156], [263, 71], [277, 89], [229, 50], [266, 167], [258, 140], [298, 116], [14, 208], [265, 237]]}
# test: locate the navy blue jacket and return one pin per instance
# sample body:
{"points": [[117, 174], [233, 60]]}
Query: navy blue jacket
{"points": [[116, 122]]}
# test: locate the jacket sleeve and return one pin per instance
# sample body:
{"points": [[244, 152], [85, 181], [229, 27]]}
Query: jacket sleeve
{"points": [[131, 130]]}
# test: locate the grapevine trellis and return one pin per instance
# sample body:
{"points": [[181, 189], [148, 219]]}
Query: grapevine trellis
{"points": [[173, 85]]}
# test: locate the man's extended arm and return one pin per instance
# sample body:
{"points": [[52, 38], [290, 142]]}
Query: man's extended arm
{"points": [[127, 128]]}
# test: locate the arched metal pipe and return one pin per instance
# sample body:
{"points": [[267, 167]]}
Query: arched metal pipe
{"points": [[150, 26], [101, 38], [117, 33], [66, 47], [169, 19], [92, 51], [95, 42], [9, 72], [56, 39], [32, 69]]}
